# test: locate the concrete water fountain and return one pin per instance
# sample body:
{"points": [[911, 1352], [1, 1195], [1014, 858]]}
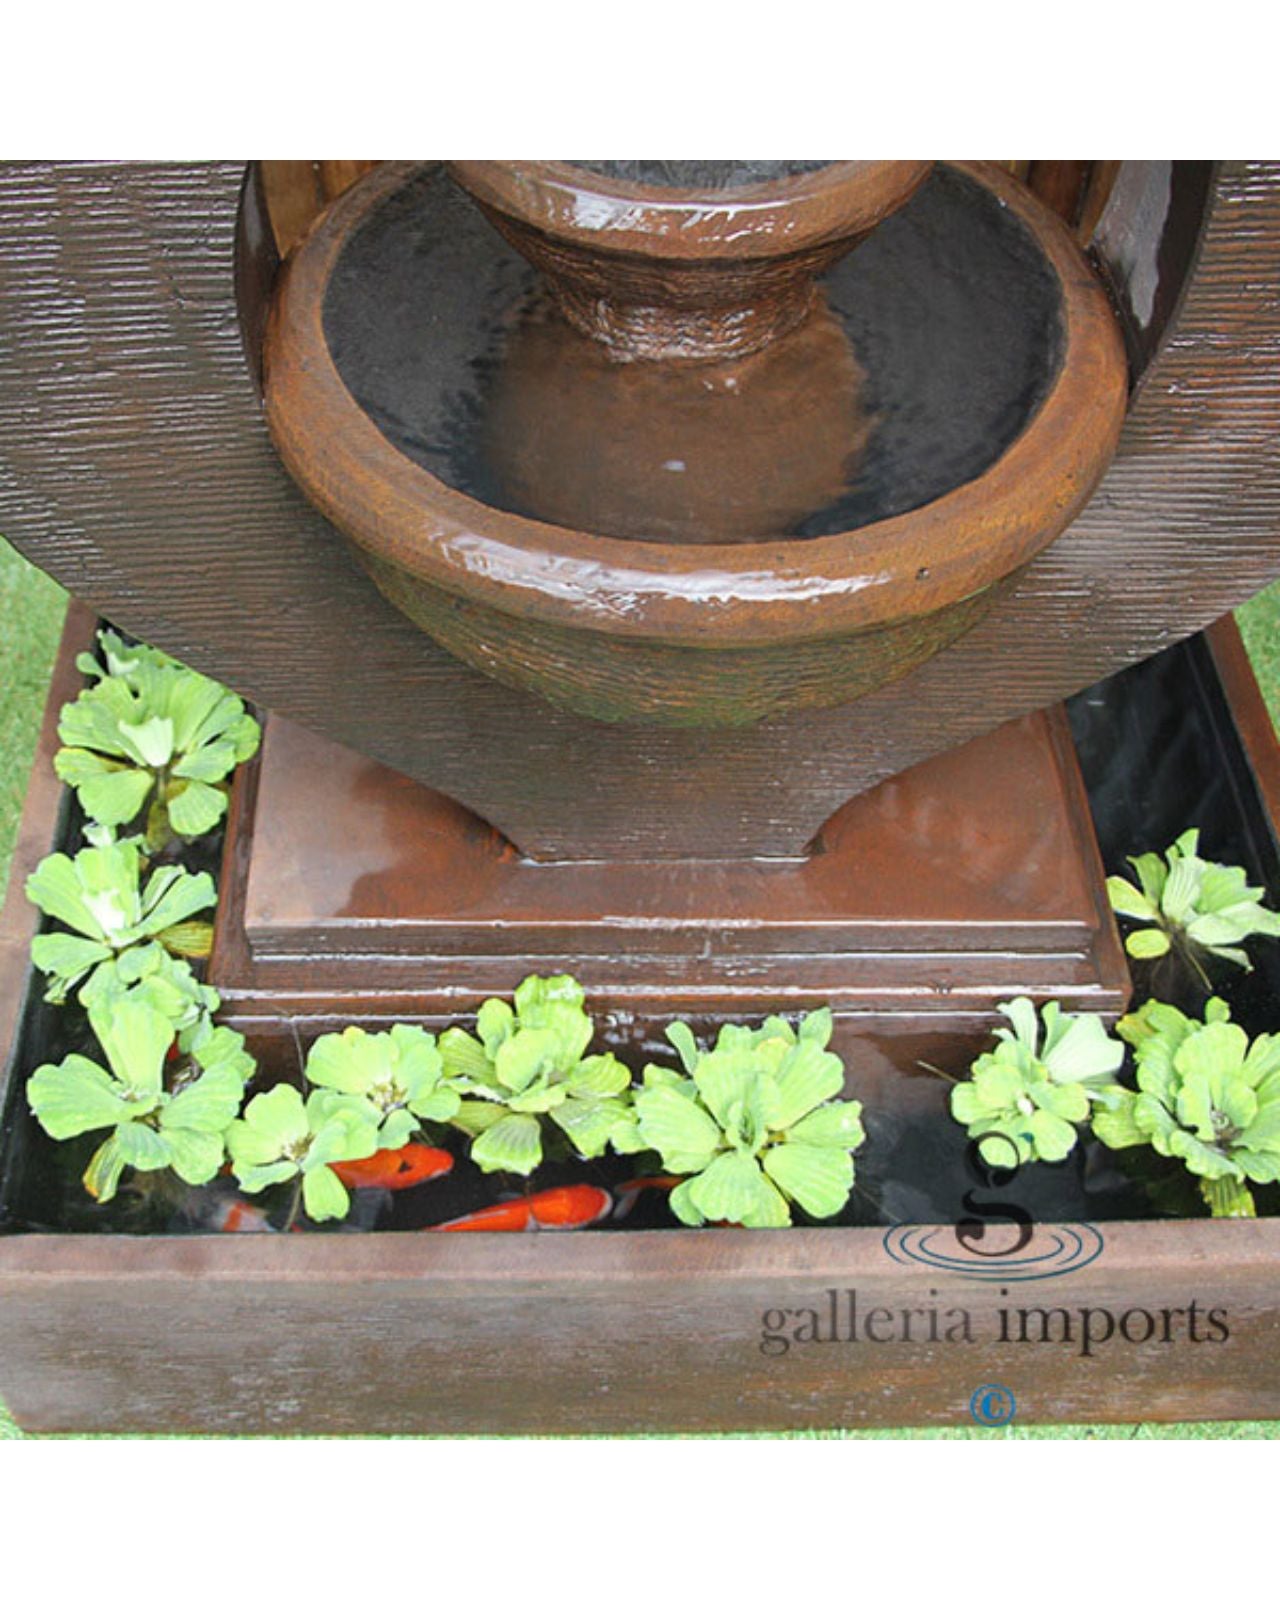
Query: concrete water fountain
{"points": [[714, 801], [713, 445]]}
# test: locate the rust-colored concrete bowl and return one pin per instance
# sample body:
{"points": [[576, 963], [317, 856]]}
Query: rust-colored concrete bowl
{"points": [[697, 265], [996, 384]]}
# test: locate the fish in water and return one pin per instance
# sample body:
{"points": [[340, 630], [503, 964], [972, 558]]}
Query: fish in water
{"points": [[627, 1194], [395, 1169], [577, 1205], [238, 1216]]}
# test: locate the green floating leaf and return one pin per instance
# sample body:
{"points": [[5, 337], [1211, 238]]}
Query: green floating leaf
{"points": [[681, 1036], [324, 1195], [195, 808], [106, 1168], [589, 1124], [66, 959], [208, 1104], [818, 1180], [837, 1127], [681, 1131], [141, 1146], [113, 798], [808, 1076], [1113, 1121], [76, 1096], [474, 1116], [1126, 901], [149, 742], [730, 1189], [685, 1207], [511, 1143], [273, 1123], [194, 939]]}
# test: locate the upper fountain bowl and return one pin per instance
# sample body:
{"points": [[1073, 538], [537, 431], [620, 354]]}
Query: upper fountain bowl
{"points": [[686, 260], [665, 543]]}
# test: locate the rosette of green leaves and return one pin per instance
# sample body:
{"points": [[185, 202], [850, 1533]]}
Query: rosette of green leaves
{"points": [[1206, 1095], [400, 1073], [101, 894], [755, 1123], [1024, 1099], [1190, 904], [181, 1123], [282, 1137], [527, 1062], [147, 972], [149, 729]]}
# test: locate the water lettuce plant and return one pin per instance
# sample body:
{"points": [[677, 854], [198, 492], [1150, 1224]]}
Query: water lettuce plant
{"points": [[1025, 1098], [283, 1137], [754, 1122], [400, 1073], [1190, 906], [101, 895], [149, 730], [147, 972], [1206, 1095], [529, 1061], [161, 1113]]}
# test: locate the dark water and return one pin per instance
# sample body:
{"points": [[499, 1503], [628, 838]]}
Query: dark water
{"points": [[1159, 753], [700, 174], [949, 308]]}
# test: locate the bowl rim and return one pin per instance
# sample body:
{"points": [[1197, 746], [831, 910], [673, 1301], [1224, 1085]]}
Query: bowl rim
{"points": [[750, 595], [778, 217]]}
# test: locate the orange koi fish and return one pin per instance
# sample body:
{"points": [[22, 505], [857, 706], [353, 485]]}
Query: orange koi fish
{"points": [[577, 1205], [626, 1194], [395, 1169]]}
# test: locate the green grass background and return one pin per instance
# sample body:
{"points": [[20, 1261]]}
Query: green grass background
{"points": [[31, 610]]}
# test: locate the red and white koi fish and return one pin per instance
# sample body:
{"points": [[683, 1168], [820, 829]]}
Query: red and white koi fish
{"points": [[395, 1169], [626, 1194], [577, 1205], [238, 1216]]}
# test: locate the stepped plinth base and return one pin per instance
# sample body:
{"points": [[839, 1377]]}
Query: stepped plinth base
{"points": [[351, 891]]}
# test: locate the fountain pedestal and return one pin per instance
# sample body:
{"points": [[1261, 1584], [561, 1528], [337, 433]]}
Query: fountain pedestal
{"points": [[349, 890]]}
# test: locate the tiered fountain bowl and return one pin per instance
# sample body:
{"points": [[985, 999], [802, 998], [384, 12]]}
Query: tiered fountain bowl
{"points": [[657, 442]]}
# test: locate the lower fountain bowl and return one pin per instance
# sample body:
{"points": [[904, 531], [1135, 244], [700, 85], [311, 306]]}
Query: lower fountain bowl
{"points": [[997, 385]]}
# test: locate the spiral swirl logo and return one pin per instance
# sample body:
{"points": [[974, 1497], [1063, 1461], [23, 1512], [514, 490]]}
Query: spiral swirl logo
{"points": [[1051, 1250]]}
